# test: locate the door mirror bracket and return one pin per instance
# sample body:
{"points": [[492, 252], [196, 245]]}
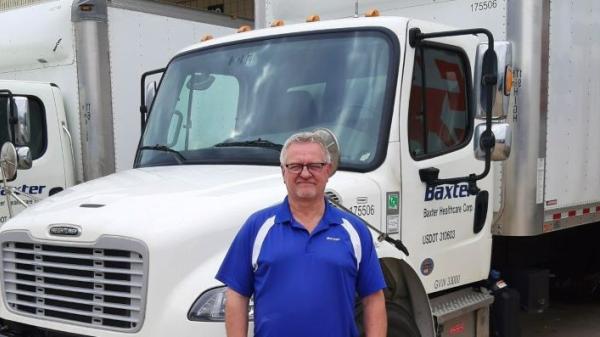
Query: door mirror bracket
{"points": [[430, 175]]}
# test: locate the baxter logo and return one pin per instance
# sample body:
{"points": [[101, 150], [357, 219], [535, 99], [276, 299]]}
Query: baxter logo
{"points": [[65, 230], [446, 192]]}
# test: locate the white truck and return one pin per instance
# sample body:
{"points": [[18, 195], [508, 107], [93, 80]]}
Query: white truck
{"points": [[410, 100], [75, 66]]}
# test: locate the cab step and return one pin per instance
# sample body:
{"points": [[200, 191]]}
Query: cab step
{"points": [[463, 313]]}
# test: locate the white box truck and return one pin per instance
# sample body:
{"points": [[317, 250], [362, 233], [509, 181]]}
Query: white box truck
{"points": [[79, 63], [135, 253]]}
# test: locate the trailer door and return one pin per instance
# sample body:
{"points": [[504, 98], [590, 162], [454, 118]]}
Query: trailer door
{"points": [[437, 131]]}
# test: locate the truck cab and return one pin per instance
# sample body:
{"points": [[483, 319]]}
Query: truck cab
{"points": [[137, 251]]}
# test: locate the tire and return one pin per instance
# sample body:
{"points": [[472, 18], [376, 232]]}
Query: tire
{"points": [[400, 321]]}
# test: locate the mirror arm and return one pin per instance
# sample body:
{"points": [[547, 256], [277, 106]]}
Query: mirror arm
{"points": [[489, 79], [143, 108], [381, 236]]}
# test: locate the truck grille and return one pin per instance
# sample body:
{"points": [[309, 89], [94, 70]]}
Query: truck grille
{"points": [[98, 286]]}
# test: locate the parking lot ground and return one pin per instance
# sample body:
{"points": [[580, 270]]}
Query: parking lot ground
{"points": [[566, 317]]}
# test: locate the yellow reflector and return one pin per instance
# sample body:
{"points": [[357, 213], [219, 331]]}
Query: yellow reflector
{"points": [[206, 38], [313, 18], [244, 28], [372, 13], [277, 23], [508, 80]]}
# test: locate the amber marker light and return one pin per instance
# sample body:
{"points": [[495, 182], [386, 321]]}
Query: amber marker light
{"points": [[206, 38], [313, 18], [277, 23], [244, 28], [508, 80], [371, 13]]}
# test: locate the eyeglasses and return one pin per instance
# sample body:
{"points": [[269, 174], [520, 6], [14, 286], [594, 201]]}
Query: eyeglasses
{"points": [[312, 167]]}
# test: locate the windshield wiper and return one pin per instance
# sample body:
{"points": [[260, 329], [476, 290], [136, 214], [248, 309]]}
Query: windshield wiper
{"points": [[159, 147], [252, 143]]}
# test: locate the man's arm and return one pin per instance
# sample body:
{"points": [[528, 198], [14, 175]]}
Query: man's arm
{"points": [[374, 316], [236, 314]]}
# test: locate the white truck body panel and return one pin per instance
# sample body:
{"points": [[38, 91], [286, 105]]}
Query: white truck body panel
{"points": [[140, 42], [572, 137], [455, 13]]}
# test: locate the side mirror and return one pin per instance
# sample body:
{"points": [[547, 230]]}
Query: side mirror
{"points": [[333, 146], [24, 159], [501, 95], [502, 141], [489, 76], [175, 127], [8, 162], [144, 103], [150, 93], [13, 159], [21, 121]]}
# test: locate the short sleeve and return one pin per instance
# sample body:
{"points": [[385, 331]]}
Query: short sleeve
{"points": [[370, 276], [236, 270]]}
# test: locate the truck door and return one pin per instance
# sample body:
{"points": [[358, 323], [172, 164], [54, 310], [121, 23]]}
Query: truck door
{"points": [[437, 131], [47, 174]]}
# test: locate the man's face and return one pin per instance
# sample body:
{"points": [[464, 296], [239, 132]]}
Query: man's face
{"points": [[308, 184]]}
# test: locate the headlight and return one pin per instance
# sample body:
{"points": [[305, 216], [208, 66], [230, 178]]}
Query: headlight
{"points": [[210, 307]]}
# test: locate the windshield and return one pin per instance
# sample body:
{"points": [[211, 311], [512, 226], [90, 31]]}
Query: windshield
{"points": [[238, 103]]}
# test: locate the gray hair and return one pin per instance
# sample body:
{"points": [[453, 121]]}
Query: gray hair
{"points": [[302, 138]]}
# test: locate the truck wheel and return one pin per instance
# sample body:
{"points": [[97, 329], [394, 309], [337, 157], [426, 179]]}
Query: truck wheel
{"points": [[400, 321]]}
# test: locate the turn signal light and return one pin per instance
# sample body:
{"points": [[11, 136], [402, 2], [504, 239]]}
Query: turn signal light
{"points": [[508, 80], [206, 38]]}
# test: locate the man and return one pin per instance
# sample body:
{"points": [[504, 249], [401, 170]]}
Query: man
{"points": [[303, 260]]}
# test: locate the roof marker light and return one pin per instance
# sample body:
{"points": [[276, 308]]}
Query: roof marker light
{"points": [[313, 18], [206, 38], [244, 28], [277, 23], [372, 13]]}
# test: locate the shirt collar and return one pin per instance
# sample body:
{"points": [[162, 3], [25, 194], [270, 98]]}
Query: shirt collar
{"points": [[283, 215]]}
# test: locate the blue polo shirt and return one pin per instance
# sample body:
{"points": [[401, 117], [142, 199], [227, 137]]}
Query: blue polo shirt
{"points": [[304, 285]]}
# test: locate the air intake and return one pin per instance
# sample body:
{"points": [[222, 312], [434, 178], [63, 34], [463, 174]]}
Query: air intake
{"points": [[100, 286]]}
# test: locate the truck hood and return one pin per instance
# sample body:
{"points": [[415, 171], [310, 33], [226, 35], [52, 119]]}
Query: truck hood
{"points": [[158, 199], [153, 204]]}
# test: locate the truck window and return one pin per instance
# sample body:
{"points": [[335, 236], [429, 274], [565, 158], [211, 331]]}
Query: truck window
{"points": [[439, 116], [237, 103], [37, 139], [198, 106]]}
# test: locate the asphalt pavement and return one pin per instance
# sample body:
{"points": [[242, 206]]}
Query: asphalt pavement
{"points": [[567, 317]]}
